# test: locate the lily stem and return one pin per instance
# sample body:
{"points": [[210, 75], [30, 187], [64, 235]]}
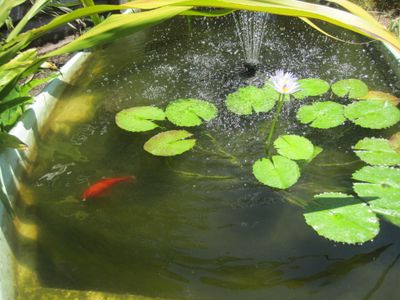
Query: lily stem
{"points": [[274, 121]]}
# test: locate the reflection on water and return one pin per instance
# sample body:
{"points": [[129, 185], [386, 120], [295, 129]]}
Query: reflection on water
{"points": [[199, 226]]}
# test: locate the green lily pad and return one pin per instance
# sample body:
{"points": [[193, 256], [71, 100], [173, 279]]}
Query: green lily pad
{"points": [[381, 96], [381, 175], [294, 147], [322, 115], [353, 88], [280, 172], [311, 87], [139, 118], [271, 94], [248, 99], [170, 143], [342, 218], [372, 114], [376, 152], [394, 142], [190, 112]]}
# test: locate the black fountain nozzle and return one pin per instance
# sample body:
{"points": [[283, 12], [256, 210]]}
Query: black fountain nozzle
{"points": [[251, 68]]}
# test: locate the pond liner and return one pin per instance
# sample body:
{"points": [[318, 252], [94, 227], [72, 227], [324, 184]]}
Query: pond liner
{"points": [[14, 163]]}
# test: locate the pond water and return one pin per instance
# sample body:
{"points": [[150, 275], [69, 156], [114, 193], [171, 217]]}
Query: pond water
{"points": [[199, 225]]}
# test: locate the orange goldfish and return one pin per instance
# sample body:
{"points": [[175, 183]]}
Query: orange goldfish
{"points": [[102, 186]]}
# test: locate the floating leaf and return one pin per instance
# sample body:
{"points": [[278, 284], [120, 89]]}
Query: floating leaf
{"points": [[272, 94], [376, 152], [372, 114], [394, 142], [170, 143], [322, 115], [190, 112], [247, 99], [352, 88], [294, 147], [342, 218], [317, 151], [139, 118], [381, 96], [11, 141], [279, 173], [311, 87]]}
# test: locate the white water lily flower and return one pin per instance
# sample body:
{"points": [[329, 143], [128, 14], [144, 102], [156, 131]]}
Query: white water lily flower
{"points": [[285, 83]]}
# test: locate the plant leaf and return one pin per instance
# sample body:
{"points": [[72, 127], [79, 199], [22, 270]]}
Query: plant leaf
{"points": [[190, 112], [279, 172], [341, 218], [139, 118], [248, 99], [10, 141], [381, 96], [311, 87], [376, 152], [385, 176], [352, 88], [372, 114], [322, 115], [170, 143], [294, 147]]}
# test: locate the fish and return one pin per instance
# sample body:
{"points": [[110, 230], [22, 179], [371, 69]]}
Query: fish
{"points": [[101, 187]]}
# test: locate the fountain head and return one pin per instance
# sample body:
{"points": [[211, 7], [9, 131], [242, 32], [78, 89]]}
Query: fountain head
{"points": [[251, 67]]}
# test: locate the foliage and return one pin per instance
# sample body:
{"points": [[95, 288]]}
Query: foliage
{"points": [[352, 88], [322, 115], [341, 218], [376, 152], [372, 114], [138, 119], [248, 99], [170, 143], [190, 112], [278, 172], [294, 147], [311, 87]]}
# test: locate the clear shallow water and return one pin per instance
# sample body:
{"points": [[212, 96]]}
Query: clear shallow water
{"points": [[177, 236]]}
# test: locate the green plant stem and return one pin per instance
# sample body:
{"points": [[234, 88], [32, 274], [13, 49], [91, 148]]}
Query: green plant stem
{"points": [[233, 159], [274, 121], [198, 175]]}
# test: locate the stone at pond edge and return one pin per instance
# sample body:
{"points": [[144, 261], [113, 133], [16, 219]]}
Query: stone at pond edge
{"points": [[170, 143], [190, 112], [341, 218], [279, 172]]}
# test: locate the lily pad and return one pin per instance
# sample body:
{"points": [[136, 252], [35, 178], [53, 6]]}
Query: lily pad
{"points": [[278, 172], [376, 152], [352, 88], [381, 175], [170, 143], [248, 99], [381, 96], [139, 118], [394, 142], [372, 114], [342, 218], [311, 87], [294, 147], [190, 112], [322, 115]]}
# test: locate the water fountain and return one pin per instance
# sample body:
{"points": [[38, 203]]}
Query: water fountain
{"points": [[250, 28]]}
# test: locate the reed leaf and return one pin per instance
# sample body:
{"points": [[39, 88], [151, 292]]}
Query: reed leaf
{"points": [[5, 7]]}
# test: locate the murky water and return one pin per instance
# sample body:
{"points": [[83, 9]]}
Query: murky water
{"points": [[199, 226]]}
